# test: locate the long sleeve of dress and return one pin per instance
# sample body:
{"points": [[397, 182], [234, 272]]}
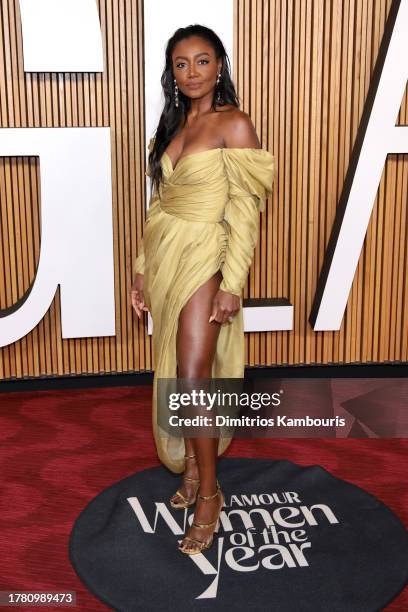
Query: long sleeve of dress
{"points": [[250, 175], [139, 263]]}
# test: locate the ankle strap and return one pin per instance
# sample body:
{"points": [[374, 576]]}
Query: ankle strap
{"points": [[206, 497]]}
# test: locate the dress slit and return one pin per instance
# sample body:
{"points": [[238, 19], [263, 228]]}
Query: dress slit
{"points": [[166, 356]]}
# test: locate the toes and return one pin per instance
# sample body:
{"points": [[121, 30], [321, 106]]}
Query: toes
{"points": [[186, 545], [183, 546], [177, 499]]}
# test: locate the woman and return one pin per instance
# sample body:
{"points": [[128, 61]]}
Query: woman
{"points": [[209, 179]]}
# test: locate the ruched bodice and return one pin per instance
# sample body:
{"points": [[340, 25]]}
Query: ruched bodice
{"points": [[197, 189], [205, 218]]}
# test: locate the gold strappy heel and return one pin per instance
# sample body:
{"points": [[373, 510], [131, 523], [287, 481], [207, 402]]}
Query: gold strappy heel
{"points": [[200, 545], [185, 503]]}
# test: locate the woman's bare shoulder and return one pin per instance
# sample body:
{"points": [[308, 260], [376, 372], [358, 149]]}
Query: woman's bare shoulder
{"points": [[238, 129]]}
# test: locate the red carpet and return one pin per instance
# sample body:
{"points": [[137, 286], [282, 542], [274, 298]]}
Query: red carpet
{"points": [[60, 448]]}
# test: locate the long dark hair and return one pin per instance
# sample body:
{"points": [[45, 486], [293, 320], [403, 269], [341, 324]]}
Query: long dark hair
{"points": [[172, 116]]}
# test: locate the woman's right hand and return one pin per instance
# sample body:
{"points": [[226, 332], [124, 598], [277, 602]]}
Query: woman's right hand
{"points": [[137, 296]]}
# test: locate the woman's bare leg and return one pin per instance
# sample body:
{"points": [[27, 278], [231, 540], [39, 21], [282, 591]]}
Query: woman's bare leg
{"points": [[196, 346]]}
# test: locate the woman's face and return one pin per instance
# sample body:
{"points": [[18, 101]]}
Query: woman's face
{"points": [[195, 66]]}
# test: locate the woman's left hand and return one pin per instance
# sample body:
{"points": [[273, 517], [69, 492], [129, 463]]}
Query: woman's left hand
{"points": [[225, 306]]}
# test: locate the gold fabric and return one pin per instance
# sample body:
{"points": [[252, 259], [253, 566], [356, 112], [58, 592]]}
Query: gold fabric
{"points": [[205, 218]]}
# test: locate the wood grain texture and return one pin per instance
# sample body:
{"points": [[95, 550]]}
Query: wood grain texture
{"points": [[302, 71]]}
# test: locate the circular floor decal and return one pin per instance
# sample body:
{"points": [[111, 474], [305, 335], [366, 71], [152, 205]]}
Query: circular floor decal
{"points": [[291, 538]]}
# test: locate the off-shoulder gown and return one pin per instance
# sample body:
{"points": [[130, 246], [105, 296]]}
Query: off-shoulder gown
{"points": [[205, 219]]}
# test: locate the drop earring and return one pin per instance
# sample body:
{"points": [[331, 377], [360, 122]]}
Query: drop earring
{"points": [[219, 92], [176, 100]]}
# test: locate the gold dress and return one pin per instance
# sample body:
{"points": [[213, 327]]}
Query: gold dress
{"points": [[206, 218]]}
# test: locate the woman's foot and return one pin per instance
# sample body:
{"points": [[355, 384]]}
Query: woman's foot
{"points": [[205, 522], [187, 494]]}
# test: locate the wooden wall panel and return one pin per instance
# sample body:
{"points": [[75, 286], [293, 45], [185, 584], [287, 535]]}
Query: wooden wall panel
{"points": [[302, 71]]}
